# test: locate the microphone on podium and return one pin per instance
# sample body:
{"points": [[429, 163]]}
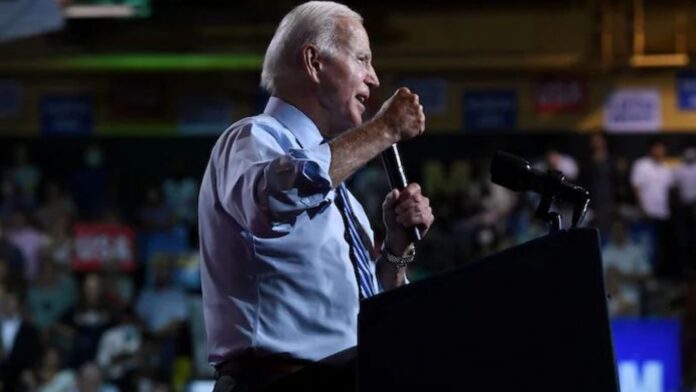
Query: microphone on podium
{"points": [[397, 180]]}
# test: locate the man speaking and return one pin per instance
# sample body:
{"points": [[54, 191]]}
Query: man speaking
{"points": [[287, 252]]}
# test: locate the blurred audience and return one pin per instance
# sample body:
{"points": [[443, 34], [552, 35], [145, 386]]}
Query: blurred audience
{"points": [[89, 184], [599, 176], [181, 195], [11, 262], [51, 295], [56, 205], [155, 215], [626, 270], [685, 208], [52, 375], [651, 179], [29, 240], [21, 346], [166, 325], [113, 329], [118, 352], [84, 324], [90, 379], [24, 174]]}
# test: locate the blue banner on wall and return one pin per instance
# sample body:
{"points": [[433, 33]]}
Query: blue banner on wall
{"points": [[686, 90], [67, 115], [648, 354], [432, 93], [489, 110]]}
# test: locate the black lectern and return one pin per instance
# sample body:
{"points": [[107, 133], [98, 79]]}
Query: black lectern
{"points": [[530, 318]]}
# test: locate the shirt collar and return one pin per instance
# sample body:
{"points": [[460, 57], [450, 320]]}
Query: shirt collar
{"points": [[295, 120]]}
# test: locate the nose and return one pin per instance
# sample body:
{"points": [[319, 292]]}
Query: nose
{"points": [[371, 79]]}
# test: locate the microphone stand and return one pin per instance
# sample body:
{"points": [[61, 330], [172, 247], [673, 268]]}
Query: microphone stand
{"points": [[554, 219]]}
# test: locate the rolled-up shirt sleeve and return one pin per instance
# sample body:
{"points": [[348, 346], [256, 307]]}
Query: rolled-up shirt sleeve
{"points": [[264, 180]]}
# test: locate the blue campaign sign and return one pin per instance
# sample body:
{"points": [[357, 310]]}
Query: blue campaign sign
{"points": [[489, 110], [648, 354], [686, 90], [432, 93], [67, 115]]}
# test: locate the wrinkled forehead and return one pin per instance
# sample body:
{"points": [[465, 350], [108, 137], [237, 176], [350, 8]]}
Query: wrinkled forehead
{"points": [[351, 35]]}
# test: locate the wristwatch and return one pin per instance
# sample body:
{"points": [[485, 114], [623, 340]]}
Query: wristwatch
{"points": [[400, 261]]}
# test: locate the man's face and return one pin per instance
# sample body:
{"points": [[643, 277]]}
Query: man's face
{"points": [[347, 78], [658, 151]]}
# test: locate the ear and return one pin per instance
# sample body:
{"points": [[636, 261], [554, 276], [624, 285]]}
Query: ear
{"points": [[311, 62]]}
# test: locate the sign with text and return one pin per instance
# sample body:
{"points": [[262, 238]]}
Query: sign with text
{"points": [[489, 110], [648, 354], [97, 244], [633, 110], [686, 90], [560, 95], [67, 115], [432, 93]]}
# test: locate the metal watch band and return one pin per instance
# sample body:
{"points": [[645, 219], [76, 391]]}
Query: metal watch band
{"points": [[400, 261]]}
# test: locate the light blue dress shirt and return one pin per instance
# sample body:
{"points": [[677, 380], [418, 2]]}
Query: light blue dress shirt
{"points": [[276, 271]]}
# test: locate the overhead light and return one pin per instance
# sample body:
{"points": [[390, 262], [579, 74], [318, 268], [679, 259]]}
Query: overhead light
{"points": [[100, 11]]}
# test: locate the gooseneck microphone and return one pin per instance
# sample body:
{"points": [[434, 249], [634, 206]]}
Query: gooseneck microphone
{"points": [[516, 174], [397, 180]]}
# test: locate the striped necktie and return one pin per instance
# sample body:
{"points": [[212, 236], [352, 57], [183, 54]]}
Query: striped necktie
{"points": [[360, 254]]}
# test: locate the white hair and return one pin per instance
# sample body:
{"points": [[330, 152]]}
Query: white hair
{"points": [[314, 22]]}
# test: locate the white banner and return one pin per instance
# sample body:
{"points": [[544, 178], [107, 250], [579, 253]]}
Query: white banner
{"points": [[633, 110]]}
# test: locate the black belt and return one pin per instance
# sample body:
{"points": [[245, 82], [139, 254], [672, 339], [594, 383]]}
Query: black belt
{"points": [[259, 369]]}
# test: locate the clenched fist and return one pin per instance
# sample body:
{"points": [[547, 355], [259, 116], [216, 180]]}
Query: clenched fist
{"points": [[401, 210], [402, 115]]}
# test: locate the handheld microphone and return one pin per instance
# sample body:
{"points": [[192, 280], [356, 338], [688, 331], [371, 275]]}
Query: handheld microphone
{"points": [[516, 174], [397, 180]]}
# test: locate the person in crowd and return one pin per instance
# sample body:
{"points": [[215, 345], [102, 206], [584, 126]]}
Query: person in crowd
{"points": [[90, 379], [556, 160], [60, 248], [89, 184], [598, 175], [627, 269], [20, 348], [685, 222], [52, 375], [11, 262], [25, 174], [56, 205], [651, 179], [50, 296], [165, 325], [29, 240], [155, 215], [118, 351], [180, 195], [83, 325], [287, 252]]}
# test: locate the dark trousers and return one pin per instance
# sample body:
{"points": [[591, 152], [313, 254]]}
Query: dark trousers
{"points": [[268, 375], [685, 235], [667, 264]]}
